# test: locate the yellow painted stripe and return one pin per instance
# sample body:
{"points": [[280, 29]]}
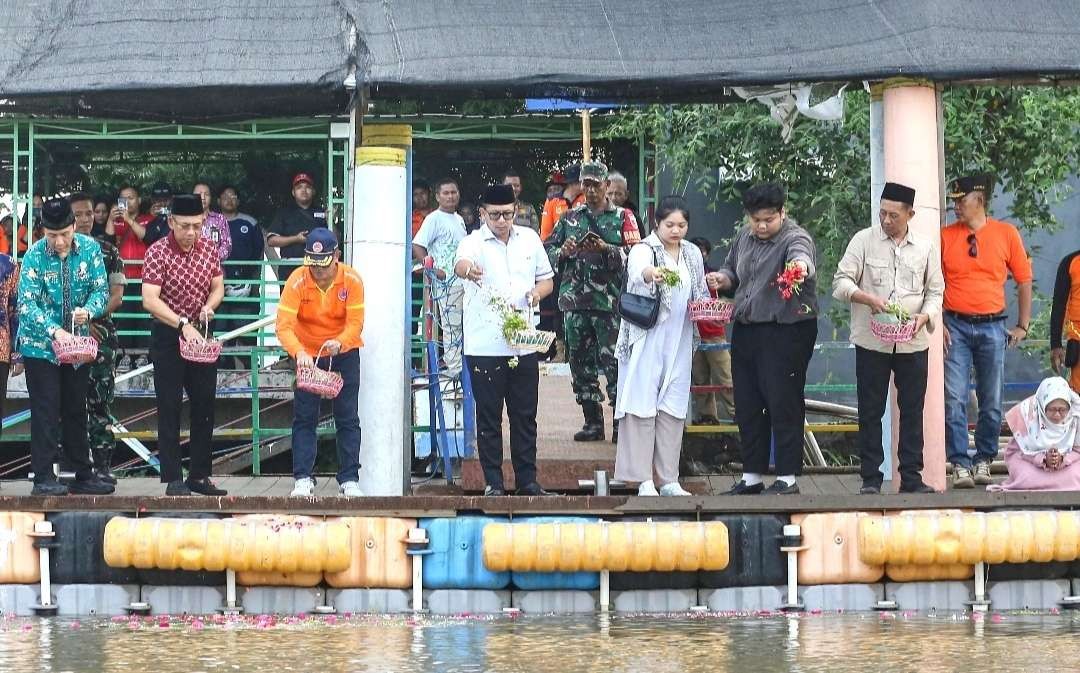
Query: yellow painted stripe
{"points": [[287, 309], [386, 135], [380, 156]]}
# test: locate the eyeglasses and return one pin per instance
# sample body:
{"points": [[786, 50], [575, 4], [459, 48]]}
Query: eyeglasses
{"points": [[973, 246], [504, 215]]}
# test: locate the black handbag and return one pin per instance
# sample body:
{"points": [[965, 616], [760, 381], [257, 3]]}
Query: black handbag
{"points": [[641, 310]]}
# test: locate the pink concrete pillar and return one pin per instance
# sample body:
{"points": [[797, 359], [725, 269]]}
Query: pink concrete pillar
{"points": [[914, 157]]}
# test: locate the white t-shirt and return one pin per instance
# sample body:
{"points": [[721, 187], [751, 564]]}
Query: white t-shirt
{"points": [[511, 270], [440, 234]]}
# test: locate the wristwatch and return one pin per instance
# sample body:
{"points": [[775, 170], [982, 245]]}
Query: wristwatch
{"points": [[181, 322]]}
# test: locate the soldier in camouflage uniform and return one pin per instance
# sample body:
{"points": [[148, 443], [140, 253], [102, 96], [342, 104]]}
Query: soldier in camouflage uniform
{"points": [[100, 392], [592, 271]]}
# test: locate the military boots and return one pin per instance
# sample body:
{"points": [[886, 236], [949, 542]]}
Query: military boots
{"points": [[593, 430]]}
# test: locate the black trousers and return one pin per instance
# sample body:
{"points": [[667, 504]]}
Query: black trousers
{"points": [[57, 414], [768, 370], [174, 375], [872, 370], [494, 382]]}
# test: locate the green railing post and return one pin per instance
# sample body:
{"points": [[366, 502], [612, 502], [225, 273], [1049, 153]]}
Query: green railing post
{"points": [[256, 466]]}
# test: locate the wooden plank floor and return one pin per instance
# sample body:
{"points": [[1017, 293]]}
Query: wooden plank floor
{"points": [[270, 494]]}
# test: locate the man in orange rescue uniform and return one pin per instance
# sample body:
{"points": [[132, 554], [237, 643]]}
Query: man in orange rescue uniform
{"points": [[319, 321]]}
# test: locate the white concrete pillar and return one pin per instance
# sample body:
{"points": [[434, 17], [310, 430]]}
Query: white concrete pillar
{"points": [[889, 424], [380, 251], [913, 156]]}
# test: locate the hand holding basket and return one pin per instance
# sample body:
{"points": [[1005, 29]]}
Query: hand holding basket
{"points": [[204, 351], [322, 382], [711, 310], [78, 349]]}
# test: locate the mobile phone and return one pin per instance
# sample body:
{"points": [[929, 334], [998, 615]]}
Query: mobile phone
{"points": [[164, 211], [590, 239], [121, 204]]}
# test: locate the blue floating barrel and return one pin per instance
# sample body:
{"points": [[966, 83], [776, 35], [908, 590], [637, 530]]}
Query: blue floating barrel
{"points": [[455, 559]]}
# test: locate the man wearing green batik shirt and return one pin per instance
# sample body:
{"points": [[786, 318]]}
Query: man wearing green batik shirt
{"points": [[102, 386], [588, 247], [62, 286]]}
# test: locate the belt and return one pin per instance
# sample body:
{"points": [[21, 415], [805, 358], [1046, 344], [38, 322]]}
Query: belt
{"points": [[977, 318]]}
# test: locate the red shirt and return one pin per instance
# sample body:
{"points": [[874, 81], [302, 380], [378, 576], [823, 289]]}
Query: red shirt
{"points": [[131, 246], [184, 277]]}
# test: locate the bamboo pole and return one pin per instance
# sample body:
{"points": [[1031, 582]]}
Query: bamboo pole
{"points": [[586, 135]]}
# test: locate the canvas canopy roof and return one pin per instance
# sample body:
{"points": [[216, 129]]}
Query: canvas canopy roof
{"points": [[248, 58]]}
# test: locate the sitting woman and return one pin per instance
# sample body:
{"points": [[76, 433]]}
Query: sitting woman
{"points": [[1044, 454], [654, 364]]}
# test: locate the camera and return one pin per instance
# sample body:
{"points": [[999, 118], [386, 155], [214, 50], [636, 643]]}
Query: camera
{"points": [[121, 204]]}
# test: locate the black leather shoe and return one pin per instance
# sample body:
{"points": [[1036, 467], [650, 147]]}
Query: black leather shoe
{"points": [[177, 488], [91, 486], [781, 488], [105, 476], [532, 489], [49, 488], [742, 488], [870, 487], [919, 487], [491, 491], [204, 487]]}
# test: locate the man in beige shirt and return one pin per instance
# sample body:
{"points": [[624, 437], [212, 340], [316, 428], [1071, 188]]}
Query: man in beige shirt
{"points": [[889, 267]]}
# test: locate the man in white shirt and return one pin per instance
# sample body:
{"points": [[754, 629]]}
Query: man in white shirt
{"points": [[504, 265], [439, 236]]}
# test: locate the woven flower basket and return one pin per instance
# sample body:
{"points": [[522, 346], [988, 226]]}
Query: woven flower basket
{"points": [[711, 310], [77, 351], [322, 382], [532, 339], [892, 332], [202, 352]]}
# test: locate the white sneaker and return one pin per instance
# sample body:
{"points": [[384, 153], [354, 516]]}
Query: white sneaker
{"points": [[647, 488], [351, 489], [304, 488], [673, 489]]}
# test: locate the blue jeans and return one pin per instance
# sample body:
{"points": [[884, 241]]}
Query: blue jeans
{"points": [[346, 419], [981, 345]]}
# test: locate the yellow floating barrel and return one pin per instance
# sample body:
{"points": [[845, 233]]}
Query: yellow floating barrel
{"points": [[970, 537], [258, 543], [666, 546]]}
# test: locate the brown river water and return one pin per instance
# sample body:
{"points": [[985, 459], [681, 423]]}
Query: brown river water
{"points": [[833, 643]]}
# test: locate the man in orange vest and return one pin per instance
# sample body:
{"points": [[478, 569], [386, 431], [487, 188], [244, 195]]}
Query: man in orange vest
{"points": [[573, 195], [319, 321]]}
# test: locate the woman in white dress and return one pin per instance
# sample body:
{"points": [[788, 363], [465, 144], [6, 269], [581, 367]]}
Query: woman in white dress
{"points": [[654, 364]]}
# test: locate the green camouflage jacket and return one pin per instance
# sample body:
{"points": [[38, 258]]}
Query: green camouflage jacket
{"points": [[114, 269], [591, 281]]}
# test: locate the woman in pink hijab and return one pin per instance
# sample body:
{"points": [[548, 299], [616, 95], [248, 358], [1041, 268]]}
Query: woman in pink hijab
{"points": [[1044, 454]]}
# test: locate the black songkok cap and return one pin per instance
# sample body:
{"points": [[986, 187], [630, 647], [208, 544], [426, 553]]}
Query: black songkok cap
{"points": [[499, 195], [187, 204], [56, 214], [894, 191], [961, 187]]}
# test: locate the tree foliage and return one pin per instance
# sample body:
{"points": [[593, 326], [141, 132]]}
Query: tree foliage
{"points": [[1026, 137]]}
